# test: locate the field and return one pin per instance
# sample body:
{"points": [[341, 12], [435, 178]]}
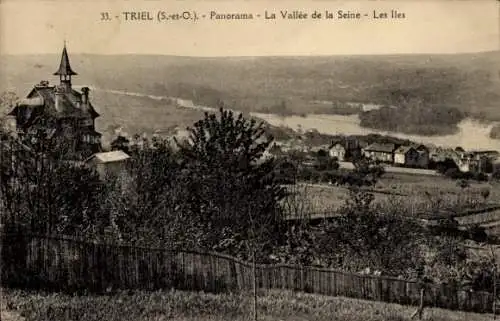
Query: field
{"points": [[416, 191], [422, 183], [140, 115], [191, 306]]}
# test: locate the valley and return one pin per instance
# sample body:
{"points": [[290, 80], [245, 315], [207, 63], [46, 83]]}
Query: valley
{"points": [[465, 84]]}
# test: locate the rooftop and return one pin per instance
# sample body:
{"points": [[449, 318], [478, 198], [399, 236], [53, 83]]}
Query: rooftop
{"points": [[109, 157], [376, 147], [64, 66], [45, 96], [403, 149]]}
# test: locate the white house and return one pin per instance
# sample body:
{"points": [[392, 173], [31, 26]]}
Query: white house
{"points": [[338, 151], [108, 163]]}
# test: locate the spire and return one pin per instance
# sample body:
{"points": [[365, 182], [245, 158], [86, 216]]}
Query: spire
{"points": [[64, 67]]}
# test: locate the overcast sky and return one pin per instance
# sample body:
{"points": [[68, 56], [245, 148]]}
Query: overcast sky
{"points": [[28, 27]]}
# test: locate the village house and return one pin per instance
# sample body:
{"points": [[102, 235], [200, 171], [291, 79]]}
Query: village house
{"points": [[467, 163], [476, 161], [318, 148], [412, 156], [266, 155], [406, 156], [276, 149], [380, 152], [108, 164], [493, 154], [60, 112], [337, 151], [346, 149], [423, 155], [440, 154]]}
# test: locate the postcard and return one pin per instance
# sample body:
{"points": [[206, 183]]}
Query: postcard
{"points": [[249, 160]]}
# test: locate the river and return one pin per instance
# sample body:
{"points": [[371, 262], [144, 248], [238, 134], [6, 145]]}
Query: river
{"points": [[471, 134]]}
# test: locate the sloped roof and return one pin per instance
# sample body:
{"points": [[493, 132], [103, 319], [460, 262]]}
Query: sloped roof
{"points": [[336, 146], [420, 147], [109, 157], [403, 149], [377, 147], [64, 66], [69, 101]]}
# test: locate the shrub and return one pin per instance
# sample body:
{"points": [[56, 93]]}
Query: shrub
{"points": [[477, 233]]}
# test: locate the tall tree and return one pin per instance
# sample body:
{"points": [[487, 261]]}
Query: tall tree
{"points": [[232, 188]]}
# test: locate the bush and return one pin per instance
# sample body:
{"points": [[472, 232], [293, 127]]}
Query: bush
{"points": [[480, 177], [496, 174], [477, 233], [455, 173], [444, 166]]}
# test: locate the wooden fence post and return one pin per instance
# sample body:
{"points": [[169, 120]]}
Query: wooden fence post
{"points": [[494, 293], [494, 263], [1, 265], [254, 275], [420, 309]]}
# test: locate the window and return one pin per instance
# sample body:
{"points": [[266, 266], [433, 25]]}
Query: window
{"points": [[85, 122], [86, 138]]}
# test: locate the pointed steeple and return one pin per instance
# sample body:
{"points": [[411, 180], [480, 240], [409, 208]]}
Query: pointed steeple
{"points": [[64, 66], [65, 72]]}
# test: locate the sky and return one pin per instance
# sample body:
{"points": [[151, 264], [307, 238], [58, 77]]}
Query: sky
{"points": [[440, 26]]}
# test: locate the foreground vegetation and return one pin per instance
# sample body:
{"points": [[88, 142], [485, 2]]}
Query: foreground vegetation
{"points": [[217, 192], [191, 306]]}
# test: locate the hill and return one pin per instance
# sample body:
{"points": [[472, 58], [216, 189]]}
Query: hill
{"points": [[467, 83]]}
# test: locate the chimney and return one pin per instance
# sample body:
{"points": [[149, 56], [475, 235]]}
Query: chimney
{"points": [[85, 95], [43, 83], [59, 92]]}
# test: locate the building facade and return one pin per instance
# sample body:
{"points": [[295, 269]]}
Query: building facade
{"points": [[109, 164], [60, 112], [337, 151], [412, 156], [380, 152]]}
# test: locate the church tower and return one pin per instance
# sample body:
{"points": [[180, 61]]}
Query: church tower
{"points": [[65, 72]]}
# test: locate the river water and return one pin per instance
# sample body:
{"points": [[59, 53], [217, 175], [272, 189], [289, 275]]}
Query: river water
{"points": [[471, 134]]}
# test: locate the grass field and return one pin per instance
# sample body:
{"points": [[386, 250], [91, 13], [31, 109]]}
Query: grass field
{"points": [[420, 183], [191, 306], [416, 191], [137, 115]]}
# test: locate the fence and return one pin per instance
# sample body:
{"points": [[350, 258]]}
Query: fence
{"points": [[394, 169], [68, 264]]}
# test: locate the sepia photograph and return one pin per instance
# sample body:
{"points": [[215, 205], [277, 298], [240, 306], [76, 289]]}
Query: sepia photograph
{"points": [[249, 160]]}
